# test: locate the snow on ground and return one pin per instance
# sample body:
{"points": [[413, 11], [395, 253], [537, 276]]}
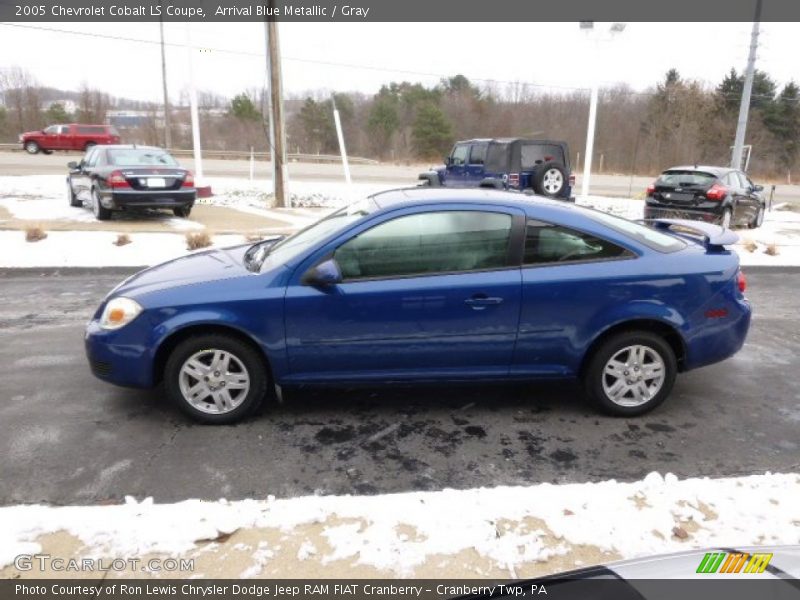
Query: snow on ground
{"points": [[97, 249], [508, 525], [42, 197]]}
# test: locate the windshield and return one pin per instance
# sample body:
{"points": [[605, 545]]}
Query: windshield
{"points": [[686, 178], [137, 157], [294, 245]]}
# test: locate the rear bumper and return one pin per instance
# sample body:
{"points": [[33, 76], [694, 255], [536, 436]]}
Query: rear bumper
{"points": [[719, 339], [122, 199], [710, 214]]}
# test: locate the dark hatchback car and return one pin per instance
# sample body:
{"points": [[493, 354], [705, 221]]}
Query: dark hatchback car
{"points": [[509, 163], [110, 178], [715, 194]]}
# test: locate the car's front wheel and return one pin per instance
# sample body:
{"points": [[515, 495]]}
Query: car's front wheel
{"points": [[630, 373], [758, 220], [215, 378], [32, 147], [182, 211], [73, 200]]}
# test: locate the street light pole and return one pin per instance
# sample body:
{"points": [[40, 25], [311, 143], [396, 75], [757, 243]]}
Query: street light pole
{"points": [[744, 105], [167, 132]]}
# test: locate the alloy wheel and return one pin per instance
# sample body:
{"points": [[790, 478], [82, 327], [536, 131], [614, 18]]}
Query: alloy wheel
{"points": [[633, 375], [553, 181], [214, 381]]}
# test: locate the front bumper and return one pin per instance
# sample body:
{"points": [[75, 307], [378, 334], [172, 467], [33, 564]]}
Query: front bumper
{"points": [[132, 199], [119, 356]]}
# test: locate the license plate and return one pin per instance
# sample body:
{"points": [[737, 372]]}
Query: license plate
{"points": [[156, 182]]}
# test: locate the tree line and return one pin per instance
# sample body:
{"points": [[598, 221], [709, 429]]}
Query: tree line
{"points": [[676, 121]]}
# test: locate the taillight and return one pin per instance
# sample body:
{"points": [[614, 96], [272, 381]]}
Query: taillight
{"points": [[741, 282], [717, 192], [572, 179], [513, 179], [650, 189], [188, 181], [117, 180]]}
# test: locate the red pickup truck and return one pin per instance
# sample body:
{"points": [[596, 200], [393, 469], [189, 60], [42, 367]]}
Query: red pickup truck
{"points": [[74, 136]]}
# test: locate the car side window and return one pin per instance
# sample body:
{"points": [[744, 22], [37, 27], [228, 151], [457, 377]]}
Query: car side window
{"points": [[547, 243], [459, 156], [428, 243], [65, 129], [745, 182], [52, 130], [537, 154], [477, 156]]}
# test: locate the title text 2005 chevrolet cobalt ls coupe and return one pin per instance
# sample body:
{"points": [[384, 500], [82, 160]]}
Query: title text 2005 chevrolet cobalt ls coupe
{"points": [[431, 285]]}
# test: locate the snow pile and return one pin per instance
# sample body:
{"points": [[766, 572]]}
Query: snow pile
{"points": [[509, 525]]}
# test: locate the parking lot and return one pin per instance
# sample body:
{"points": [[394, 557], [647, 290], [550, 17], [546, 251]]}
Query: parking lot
{"points": [[71, 439]]}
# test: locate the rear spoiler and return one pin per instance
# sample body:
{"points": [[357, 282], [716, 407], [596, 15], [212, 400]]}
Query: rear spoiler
{"points": [[713, 235]]}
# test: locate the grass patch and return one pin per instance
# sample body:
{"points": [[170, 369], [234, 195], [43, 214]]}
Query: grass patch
{"points": [[197, 240], [772, 249], [750, 246], [123, 239], [34, 233]]}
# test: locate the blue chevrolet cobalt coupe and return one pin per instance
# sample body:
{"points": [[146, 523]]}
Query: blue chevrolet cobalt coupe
{"points": [[431, 285]]}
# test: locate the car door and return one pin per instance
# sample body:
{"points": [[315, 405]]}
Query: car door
{"points": [[475, 169], [455, 172], [81, 179], [62, 139], [738, 195], [425, 293], [49, 139], [750, 200]]}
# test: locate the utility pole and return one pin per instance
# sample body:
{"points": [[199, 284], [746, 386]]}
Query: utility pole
{"points": [[167, 132], [198, 158], [278, 135], [744, 106]]}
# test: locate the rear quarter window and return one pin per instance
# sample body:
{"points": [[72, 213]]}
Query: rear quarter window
{"points": [[532, 155], [87, 130]]}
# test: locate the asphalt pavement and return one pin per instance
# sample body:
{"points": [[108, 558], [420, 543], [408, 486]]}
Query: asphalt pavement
{"points": [[67, 438]]}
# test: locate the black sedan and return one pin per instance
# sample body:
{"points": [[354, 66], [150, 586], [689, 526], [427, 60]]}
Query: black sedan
{"points": [[715, 194], [110, 178]]}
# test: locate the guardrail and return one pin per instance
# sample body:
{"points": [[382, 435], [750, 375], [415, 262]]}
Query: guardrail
{"points": [[245, 155]]}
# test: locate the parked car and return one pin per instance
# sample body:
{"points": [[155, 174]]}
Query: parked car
{"points": [[110, 178], [514, 164], [74, 136], [422, 284], [714, 194]]}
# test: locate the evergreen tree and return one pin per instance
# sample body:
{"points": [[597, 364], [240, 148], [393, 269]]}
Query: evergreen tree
{"points": [[431, 133]]}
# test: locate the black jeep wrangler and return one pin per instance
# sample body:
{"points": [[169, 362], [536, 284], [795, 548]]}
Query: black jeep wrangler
{"points": [[509, 163]]}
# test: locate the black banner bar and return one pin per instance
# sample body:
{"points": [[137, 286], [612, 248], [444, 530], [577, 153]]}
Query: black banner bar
{"points": [[396, 10]]}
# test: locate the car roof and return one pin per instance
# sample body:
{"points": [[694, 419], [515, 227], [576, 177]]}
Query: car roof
{"points": [[509, 140], [128, 147], [431, 195], [702, 168]]}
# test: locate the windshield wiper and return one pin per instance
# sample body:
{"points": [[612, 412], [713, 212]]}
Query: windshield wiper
{"points": [[260, 250]]}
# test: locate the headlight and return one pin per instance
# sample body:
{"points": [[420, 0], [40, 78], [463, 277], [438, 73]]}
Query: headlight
{"points": [[119, 312]]}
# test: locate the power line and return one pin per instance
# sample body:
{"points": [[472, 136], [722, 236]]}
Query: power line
{"points": [[526, 84]]}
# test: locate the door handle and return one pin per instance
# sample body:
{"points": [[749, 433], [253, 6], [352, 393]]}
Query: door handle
{"points": [[481, 302]]}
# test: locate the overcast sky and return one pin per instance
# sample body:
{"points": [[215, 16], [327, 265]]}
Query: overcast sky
{"points": [[557, 55]]}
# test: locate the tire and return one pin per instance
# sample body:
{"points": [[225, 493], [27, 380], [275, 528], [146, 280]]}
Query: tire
{"points": [[32, 147], [758, 220], [550, 179], [89, 146], [73, 201], [47, 151], [726, 220], [101, 213], [617, 351], [216, 402], [182, 211]]}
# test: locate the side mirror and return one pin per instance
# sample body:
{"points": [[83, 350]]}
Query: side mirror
{"points": [[73, 166], [758, 188], [325, 274]]}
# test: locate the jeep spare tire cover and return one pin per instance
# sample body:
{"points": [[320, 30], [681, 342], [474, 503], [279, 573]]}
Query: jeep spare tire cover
{"points": [[550, 179]]}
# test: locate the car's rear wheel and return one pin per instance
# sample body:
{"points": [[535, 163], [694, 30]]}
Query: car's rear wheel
{"points": [[550, 179], [758, 220], [32, 147], [726, 220], [215, 378], [182, 211], [631, 373], [101, 213], [73, 200]]}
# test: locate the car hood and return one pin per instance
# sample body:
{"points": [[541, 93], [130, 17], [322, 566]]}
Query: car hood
{"points": [[201, 267]]}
